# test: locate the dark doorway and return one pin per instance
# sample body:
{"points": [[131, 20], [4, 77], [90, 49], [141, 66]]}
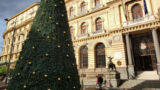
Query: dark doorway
{"points": [[143, 52], [143, 63]]}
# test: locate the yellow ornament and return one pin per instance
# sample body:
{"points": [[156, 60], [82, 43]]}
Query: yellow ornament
{"points": [[45, 75], [48, 37], [57, 23], [59, 46], [24, 86], [62, 15], [46, 54], [38, 30], [74, 87], [29, 62], [5, 89], [50, 17], [67, 55], [49, 89], [69, 77], [33, 73], [18, 74], [64, 32], [68, 44], [55, 5], [59, 78], [33, 47]]}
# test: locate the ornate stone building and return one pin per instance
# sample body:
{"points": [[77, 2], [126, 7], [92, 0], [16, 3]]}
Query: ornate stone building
{"points": [[126, 30]]}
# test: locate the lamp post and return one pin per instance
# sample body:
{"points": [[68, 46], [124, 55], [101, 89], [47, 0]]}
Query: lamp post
{"points": [[9, 62]]}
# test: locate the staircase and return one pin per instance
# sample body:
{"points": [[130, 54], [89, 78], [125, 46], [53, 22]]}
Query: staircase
{"points": [[147, 75]]}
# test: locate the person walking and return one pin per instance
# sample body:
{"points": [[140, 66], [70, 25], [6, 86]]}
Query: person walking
{"points": [[100, 81]]}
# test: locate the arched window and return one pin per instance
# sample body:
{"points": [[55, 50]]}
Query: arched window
{"points": [[71, 10], [71, 30], [100, 55], [83, 7], [137, 11], [84, 57], [83, 28], [98, 24], [97, 3]]}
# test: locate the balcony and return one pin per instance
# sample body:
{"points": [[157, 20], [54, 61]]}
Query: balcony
{"points": [[82, 12], [98, 32], [71, 16], [82, 36], [139, 21], [97, 7]]}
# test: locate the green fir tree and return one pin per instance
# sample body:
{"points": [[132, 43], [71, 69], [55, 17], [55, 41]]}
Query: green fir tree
{"points": [[47, 60]]}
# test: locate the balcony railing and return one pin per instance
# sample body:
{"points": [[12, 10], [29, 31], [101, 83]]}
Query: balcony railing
{"points": [[139, 21], [82, 36], [97, 7], [82, 12], [98, 32]]}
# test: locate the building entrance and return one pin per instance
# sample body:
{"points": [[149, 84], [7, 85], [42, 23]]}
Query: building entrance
{"points": [[143, 52]]}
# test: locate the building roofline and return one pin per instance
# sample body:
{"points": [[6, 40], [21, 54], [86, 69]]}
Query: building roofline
{"points": [[29, 7]]}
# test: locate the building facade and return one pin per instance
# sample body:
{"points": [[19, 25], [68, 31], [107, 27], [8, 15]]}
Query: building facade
{"points": [[126, 30]]}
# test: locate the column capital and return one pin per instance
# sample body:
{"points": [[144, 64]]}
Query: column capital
{"points": [[154, 28]]}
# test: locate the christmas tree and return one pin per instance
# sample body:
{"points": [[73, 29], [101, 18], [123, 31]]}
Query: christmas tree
{"points": [[47, 60]]}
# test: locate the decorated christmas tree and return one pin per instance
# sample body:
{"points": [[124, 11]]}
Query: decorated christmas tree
{"points": [[47, 60]]}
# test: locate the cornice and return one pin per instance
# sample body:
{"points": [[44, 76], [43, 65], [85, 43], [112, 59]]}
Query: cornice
{"points": [[124, 30], [31, 6], [89, 13], [18, 26]]}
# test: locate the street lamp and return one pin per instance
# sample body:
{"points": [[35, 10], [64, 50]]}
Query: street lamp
{"points": [[9, 62]]}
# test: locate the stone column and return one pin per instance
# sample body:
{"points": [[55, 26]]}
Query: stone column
{"points": [[131, 72], [157, 49]]}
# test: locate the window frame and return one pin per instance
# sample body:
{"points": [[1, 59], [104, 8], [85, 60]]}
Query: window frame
{"points": [[100, 56]]}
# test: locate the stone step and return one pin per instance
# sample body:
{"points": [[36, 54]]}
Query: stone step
{"points": [[131, 83], [147, 75]]}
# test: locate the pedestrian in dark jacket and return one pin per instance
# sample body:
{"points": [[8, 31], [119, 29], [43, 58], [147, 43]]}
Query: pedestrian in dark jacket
{"points": [[100, 81]]}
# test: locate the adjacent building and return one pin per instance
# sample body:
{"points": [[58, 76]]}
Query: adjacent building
{"points": [[126, 30]]}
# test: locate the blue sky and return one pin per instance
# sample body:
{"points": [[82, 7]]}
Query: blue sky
{"points": [[9, 8]]}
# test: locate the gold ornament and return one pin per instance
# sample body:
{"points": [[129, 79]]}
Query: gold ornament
{"points": [[69, 77], [59, 46], [68, 44], [59, 78], [5, 89], [46, 54], [55, 5], [67, 55], [74, 87], [33, 73], [38, 30], [18, 74], [33, 47], [50, 17], [48, 37], [24, 86], [57, 23], [45, 75], [62, 15], [64, 32], [29, 62], [49, 89]]}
